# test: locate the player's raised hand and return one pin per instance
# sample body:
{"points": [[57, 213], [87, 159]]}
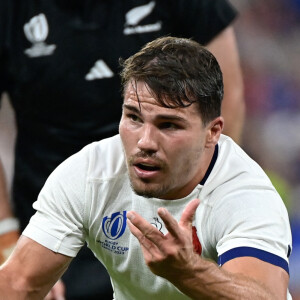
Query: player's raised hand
{"points": [[170, 255]]}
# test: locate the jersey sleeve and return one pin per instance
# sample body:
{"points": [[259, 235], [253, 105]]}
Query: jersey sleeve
{"points": [[252, 222], [203, 20], [58, 223]]}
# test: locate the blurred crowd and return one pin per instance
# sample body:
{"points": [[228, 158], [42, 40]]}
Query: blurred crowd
{"points": [[268, 37]]}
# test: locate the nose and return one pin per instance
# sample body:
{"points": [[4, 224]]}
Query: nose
{"points": [[148, 139]]}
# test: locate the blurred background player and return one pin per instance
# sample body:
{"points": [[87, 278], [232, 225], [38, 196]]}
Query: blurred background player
{"points": [[59, 66]]}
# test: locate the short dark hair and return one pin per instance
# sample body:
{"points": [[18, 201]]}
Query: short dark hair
{"points": [[178, 72]]}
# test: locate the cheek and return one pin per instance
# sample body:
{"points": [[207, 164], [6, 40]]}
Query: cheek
{"points": [[178, 154], [126, 127], [126, 136], [188, 157], [122, 132]]}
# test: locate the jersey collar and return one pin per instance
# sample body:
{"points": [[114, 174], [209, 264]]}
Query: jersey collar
{"points": [[211, 165]]}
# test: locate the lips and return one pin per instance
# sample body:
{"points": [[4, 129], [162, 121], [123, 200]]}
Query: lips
{"points": [[146, 169]]}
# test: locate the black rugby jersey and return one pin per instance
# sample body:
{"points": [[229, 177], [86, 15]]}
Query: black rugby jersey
{"points": [[59, 65]]}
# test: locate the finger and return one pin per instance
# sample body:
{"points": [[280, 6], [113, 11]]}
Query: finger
{"points": [[136, 232], [189, 213], [147, 246], [146, 229], [170, 222], [186, 218]]}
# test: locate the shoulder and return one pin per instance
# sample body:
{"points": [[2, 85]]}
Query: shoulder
{"points": [[239, 188], [102, 159], [106, 158], [243, 207], [202, 20], [235, 169]]}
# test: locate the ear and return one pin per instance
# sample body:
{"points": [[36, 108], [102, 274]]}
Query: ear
{"points": [[214, 130]]}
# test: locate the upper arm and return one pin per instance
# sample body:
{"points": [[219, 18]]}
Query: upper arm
{"points": [[59, 221], [224, 48], [31, 270], [253, 236], [5, 210], [272, 277]]}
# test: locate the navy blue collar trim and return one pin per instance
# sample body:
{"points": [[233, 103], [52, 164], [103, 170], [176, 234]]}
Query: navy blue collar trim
{"points": [[211, 165]]}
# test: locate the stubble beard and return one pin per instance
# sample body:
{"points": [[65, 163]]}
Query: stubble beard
{"points": [[148, 189]]}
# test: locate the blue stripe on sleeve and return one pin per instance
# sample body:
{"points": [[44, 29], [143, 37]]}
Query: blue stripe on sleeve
{"points": [[253, 252]]}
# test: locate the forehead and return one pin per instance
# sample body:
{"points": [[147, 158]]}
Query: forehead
{"points": [[139, 92], [140, 96]]}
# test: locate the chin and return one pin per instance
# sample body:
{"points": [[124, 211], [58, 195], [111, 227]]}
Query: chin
{"points": [[146, 191]]}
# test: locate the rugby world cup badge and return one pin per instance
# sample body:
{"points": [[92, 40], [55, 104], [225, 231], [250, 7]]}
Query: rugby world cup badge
{"points": [[115, 225], [113, 228], [36, 31]]}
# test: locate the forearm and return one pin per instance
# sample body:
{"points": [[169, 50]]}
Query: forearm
{"points": [[9, 226], [7, 287], [14, 289], [5, 209], [207, 281], [31, 271]]}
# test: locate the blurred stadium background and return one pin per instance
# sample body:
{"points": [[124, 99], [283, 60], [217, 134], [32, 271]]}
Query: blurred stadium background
{"points": [[268, 34]]}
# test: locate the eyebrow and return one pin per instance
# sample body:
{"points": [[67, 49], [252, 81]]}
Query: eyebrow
{"points": [[132, 108], [160, 116]]}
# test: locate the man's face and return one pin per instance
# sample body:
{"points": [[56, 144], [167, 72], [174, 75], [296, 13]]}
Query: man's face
{"points": [[165, 148]]}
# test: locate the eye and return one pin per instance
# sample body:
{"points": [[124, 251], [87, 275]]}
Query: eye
{"points": [[133, 117], [168, 125]]}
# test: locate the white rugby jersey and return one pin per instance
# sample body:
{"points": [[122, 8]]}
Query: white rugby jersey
{"points": [[86, 199]]}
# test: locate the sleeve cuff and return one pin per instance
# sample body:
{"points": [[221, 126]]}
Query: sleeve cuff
{"points": [[49, 241], [254, 252]]}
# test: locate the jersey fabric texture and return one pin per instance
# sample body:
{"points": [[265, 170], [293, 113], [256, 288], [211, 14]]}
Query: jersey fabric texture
{"points": [[59, 65], [86, 199]]}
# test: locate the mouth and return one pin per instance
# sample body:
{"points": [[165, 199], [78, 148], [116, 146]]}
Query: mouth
{"points": [[147, 167]]}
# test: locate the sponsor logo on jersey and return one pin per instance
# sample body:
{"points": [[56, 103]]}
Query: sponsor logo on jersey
{"points": [[100, 70], [136, 15], [113, 228], [36, 31]]}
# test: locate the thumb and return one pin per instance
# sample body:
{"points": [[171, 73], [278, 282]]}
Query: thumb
{"points": [[189, 212]]}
